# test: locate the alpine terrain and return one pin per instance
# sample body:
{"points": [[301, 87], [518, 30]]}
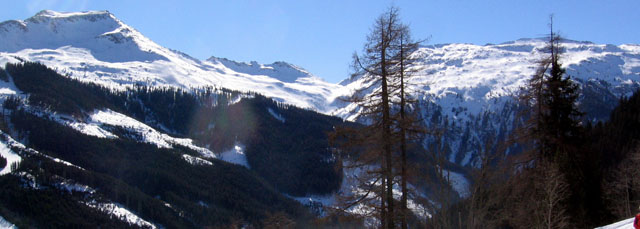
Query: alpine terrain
{"points": [[102, 126]]}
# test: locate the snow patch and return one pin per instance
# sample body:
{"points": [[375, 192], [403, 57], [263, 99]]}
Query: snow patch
{"points": [[13, 143], [203, 204], [624, 224], [282, 71], [71, 186], [121, 213], [10, 156], [148, 134], [28, 180], [467, 158], [350, 186], [276, 115], [91, 129], [327, 200], [4, 224], [458, 182], [235, 155], [239, 98], [195, 160]]}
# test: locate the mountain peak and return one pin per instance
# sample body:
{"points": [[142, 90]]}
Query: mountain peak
{"points": [[99, 32], [51, 13], [92, 16]]}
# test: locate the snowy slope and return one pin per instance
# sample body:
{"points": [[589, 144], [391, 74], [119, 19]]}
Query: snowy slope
{"points": [[459, 183], [121, 213], [235, 155], [471, 88], [94, 126], [473, 77], [624, 224], [282, 71], [96, 46], [10, 156], [6, 224]]}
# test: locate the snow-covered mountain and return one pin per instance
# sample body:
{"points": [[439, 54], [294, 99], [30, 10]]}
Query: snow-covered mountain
{"points": [[96, 46], [471, 88], [468, 87], [471, 77]]}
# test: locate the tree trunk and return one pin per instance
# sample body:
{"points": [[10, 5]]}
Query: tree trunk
{"points": [[386, 125], [403, 141]]}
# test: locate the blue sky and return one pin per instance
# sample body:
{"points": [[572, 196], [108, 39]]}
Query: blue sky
{"points": [[321, 35]]}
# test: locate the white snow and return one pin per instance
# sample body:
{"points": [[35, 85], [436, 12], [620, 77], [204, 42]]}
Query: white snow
{"points": [[239, 98], [10, 156], [464, 80], [458, 182], [121, 213], [28, 180], [70, 186], [4, 224], [350, 186], [276, 115], [91, 129], [97, 47], [235, 155], [148, 134], [325, 200], [470, 76], [202, 203], [13, 143], [467, 81], [624, 224], [113, 209], [195, 160], [466, 159], [8, 88], [282, 71]]}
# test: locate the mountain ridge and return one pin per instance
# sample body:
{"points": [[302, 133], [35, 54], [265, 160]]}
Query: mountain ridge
{"points": [[281, 70], [104, 50], [457, 83]]}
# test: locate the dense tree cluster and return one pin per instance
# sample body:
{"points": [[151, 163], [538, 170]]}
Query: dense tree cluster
{"points": [[571, 174], [615, 148], [3, 162], [143, 177], [298, 167], [137, 175]]}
